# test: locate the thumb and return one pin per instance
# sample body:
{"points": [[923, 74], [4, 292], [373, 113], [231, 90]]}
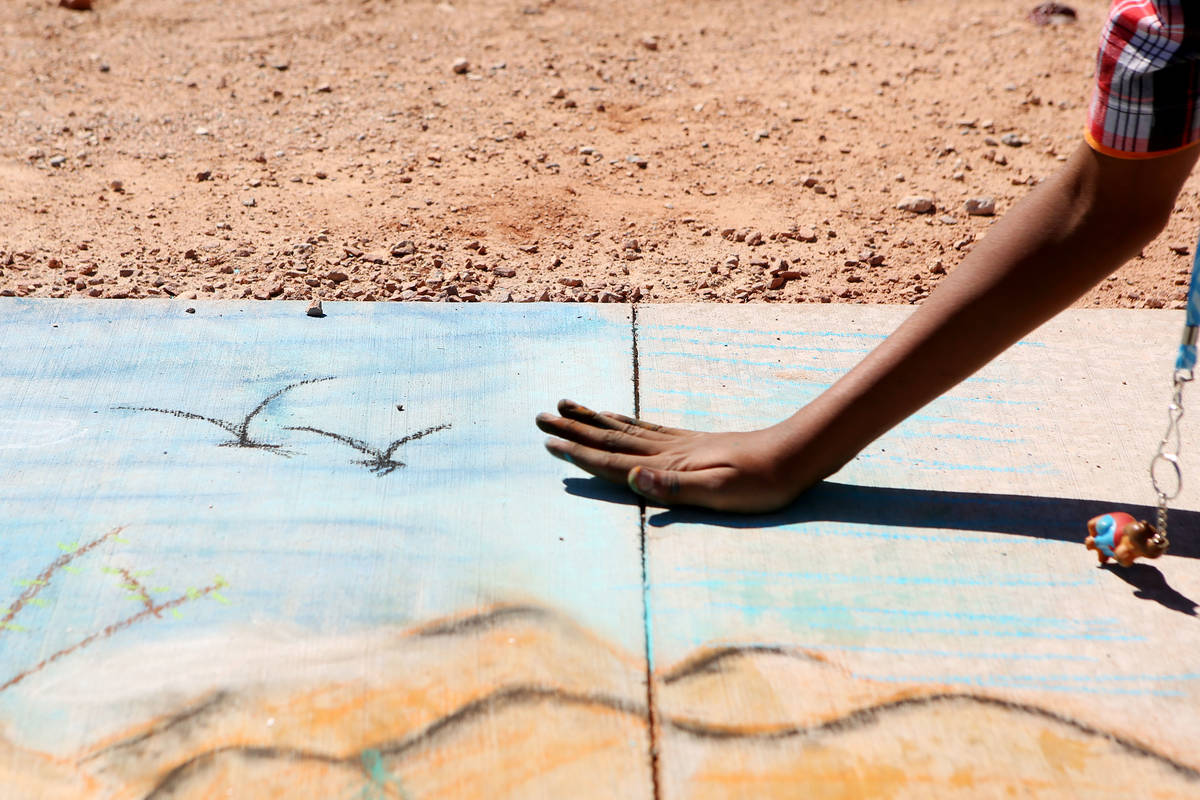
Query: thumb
{"points": [[716, 488], [661, 486]]}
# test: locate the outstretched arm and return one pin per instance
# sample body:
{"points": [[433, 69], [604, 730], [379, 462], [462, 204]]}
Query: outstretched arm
{"points": [[1060, 240]]}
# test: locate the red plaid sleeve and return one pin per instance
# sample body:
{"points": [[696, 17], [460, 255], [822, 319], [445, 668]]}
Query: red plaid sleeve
{"points": [[1147, 91]]}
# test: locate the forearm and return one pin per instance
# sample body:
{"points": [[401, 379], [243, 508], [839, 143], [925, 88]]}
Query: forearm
{"points": [[1055, 244]]}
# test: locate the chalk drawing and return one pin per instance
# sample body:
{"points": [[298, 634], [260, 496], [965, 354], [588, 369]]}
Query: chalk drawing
{"points": [[240, 430], [130, 582], [380, 461]]}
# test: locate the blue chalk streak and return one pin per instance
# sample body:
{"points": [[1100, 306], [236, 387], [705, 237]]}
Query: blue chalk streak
{"points": [[754, 332], [799, 367], [793, 385]]}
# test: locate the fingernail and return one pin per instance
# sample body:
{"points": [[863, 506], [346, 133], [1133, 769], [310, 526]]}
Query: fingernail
{"points": [[551, 445], [643, 480], [545, 416]]}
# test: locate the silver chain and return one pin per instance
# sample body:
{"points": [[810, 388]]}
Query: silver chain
{"points": [[1168, 453]]}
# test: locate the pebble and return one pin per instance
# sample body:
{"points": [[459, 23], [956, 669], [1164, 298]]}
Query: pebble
{"points": [[504, 272], [189, 310], [57, 161], [570, 281], [249, 202], [76, 5], [638, 161], [337, 276], [650, 42], [1012, 140], [916, 204], [805, 235], [202, 132], [754, 238], [460, 66], [1052, 14], [981, 206], [314, 308], [1179, 249]]}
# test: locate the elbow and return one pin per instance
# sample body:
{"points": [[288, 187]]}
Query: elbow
{"points": [[1133, 199]]}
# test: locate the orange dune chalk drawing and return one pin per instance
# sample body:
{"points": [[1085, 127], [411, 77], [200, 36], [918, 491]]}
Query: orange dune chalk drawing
{"points": [[518, 701]]}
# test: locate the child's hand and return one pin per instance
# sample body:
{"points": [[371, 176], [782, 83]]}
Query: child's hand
{"points": [[723, 471]]}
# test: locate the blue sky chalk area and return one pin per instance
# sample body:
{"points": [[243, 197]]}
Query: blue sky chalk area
{"points": [[295, 534]]}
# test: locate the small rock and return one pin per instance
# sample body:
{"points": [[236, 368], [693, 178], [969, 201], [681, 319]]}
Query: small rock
{"points": [[314, 308], [754, 238], [1179, 249], [117, 186], [202, 132], [249, 202], [337, 276], [1052, 14], [125, 272], [504, 272], [57, 161], [205, 175], [1012, 140], [570, 281], [762, 134], [405, 248], [650, 42], [460, 66], [324, 88], [981, 206], [805, 235], [916, 204], [559, 94], [76, 5], [189, 310], [638, 161]]}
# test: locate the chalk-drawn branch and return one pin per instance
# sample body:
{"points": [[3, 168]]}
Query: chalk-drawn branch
{"points": [[35, 586], [132, 584], [152, 610], [381, 461], [239, 430]]}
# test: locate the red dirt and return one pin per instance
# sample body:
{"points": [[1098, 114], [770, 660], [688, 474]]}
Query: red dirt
{"points": [[349, 128]]}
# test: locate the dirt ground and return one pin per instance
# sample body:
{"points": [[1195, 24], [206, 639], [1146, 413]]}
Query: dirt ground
{"points": [[669, 150]]}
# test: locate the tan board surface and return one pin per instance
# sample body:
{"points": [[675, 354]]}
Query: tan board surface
{"points": [[927, 623]]}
